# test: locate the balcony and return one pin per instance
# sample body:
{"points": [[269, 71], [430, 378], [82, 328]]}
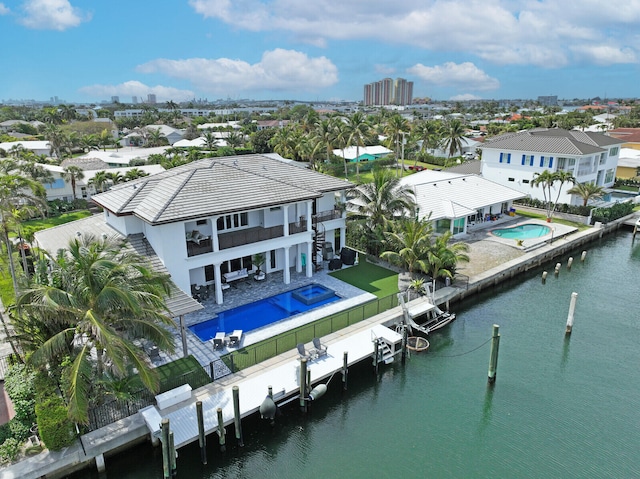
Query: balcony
{"points": [[202, 247], [327, 216], [253, 235]]}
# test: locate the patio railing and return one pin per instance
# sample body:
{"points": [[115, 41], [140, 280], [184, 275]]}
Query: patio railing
{"points": [[269, 348]]}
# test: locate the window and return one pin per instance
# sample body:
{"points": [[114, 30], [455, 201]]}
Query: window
{"points": [[273, 259], [511, 179], [525, 182], [232, 221], [458, 226], [603, 158], [209, 273], [505, 157], [613, 151], [527, 160], [610, 176], [546, 162], [59, 183], [201, 222]]}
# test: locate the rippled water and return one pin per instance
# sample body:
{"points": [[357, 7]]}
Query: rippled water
{"points": [[566, 408]]}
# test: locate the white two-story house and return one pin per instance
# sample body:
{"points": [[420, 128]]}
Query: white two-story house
{"points": [[513, 159], [206, 220]]}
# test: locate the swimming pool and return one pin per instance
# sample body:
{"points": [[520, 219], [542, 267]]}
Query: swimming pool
{"points": [[266, 311], [522, 232]]}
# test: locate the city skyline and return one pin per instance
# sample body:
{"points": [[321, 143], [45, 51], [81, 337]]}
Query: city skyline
{"points": [[281, 49]]}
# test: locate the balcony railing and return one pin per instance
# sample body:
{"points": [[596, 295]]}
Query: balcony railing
{"points": [[249, 235], [327, 216], [203, 247]]}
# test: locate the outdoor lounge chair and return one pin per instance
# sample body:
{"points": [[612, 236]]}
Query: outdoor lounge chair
{"points": [[319, 348], [218, 340], [302, 352], [235, 337]]}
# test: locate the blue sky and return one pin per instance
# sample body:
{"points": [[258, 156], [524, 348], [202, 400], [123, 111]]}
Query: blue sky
{"points": [[90, 50]]}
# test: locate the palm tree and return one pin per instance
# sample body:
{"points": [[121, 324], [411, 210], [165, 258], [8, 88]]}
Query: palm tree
{"points": [[210, 141], [16, 193], [358, 128], [409, 243], [395, 129], [324, 138], [443, 258], [563, 177], [73, 174], [587, 191], [452, 136], [114, 177], [545, 180], [99, 181], [282, 142], [428, 132], [100, 300], [56, 139], [134, 174]]}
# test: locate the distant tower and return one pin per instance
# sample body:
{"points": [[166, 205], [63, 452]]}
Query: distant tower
{"points": [[151, 98], [134, 100], [389, 92], [115, 99]]}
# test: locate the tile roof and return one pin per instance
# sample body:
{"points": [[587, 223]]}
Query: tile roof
{"points": [[629, 135], [216, 186], [447, 195], [555, 140]]}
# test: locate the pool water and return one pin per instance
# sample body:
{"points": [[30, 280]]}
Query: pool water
{"points": [[265, 311], [522, 232]]}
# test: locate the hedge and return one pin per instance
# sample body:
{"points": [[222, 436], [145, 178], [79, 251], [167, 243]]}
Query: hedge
{"points": [[54, 426]]}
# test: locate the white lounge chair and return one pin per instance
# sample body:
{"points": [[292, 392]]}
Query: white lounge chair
{"points": [[235, 337]]}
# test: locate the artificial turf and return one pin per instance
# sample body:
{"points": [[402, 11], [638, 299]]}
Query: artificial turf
{"points": [[369, 277]]}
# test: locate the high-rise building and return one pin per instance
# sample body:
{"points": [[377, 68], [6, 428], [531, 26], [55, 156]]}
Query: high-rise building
{"points": [[134, 100], [550, 100], [151, 98], [389, 92], [115, 99]]}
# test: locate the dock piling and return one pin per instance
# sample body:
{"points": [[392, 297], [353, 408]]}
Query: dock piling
{"points": [[173, 454], [583, 256], [572, 308], [544, 277], [569, 263], [303, 384], [237, 420], [202, 438], [404, 343], [164, 435], [493, 360], [557, 269], [345, 370], [376, 355], [221, 431]]}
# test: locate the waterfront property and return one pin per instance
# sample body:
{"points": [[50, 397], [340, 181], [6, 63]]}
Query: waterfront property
{"points": [[513, 159], [207, 220], [522, 232]]}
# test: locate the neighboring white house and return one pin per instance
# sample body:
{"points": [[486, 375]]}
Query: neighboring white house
{"points": [[39, 147], [123, 156], [60, 189], [207, 219], [138, 137], [468, 149], [513, 159], [452, 201]]}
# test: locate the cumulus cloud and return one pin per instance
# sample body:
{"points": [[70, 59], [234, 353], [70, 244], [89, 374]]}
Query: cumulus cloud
{"points": [[51, 15], [605, 55], [277, 70], [139, 89], [457, 75], [4, 10], [384, 69], [545, 33], [465, 97]]}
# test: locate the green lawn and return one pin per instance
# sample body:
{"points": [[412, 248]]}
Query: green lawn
{"points": [[176, 373], [369, 277], [42, 224]]}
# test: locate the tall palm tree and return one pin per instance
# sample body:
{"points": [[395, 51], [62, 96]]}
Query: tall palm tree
{"points": [[358, 127], [324, 138], [56, 139], [452, 136], [342, 138], [587, 191], [395, 128], [210, 141], [114, 177], [73, 174], [428, 132], [562, 177], [100, 300], [99, 181], [134, 174]]}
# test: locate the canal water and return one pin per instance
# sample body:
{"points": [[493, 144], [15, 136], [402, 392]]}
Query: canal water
{"points": [[564, 407]]}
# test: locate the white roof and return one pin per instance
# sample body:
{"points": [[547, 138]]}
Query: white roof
{"points": [[449, 195], [629, 158], [184, 143], [149, 169], [124, 155], [351, 152], [209, 126], [28, 145]]}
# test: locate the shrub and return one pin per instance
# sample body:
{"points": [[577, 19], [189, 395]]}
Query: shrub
{"points": [[19, 384], [5, 432], [9, 450], [20, 430], [54, 426]]}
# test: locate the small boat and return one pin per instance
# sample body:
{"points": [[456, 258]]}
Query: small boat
{"points": [[417, 344], [425, 317]]}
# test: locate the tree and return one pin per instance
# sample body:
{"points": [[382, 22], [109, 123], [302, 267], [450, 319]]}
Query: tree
{"points": [[546, 180], [452, 136], [358, 128], [99, 181], [56, 140], [73, 174], [261, 140], [395, 127], [428, 132], [444, 256], [101, 298], [587, 191], [409, 243]]}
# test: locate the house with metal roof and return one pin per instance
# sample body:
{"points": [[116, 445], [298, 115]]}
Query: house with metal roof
{"points": [[453, 201], [362, 153], [513, 159], [208, 219]]}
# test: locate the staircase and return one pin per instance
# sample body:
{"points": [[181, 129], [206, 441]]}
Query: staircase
{"points": [[318, 243], [385, 354]]}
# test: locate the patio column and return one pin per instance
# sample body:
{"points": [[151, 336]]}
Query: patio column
{"points": [[285, 210], [343, 238], [214, 235], [309, 266], [309, 219], [218, 280], [299, 254], [286, 273]]}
